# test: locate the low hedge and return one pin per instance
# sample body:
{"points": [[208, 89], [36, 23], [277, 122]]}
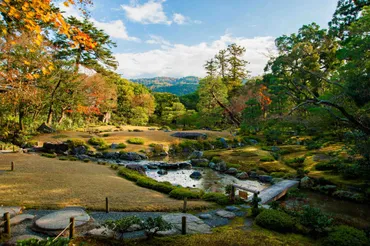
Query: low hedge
{"points": [[218, 198], [121, 146], [275, 220], [346, 235], [129, 174], [164, 187], [181, 193]]}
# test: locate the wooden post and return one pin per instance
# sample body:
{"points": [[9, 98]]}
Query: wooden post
{"points": [[185, 204], [7, 224], [183, 227], [232, 194], [12, 166], [71, 228], [106, 205]]}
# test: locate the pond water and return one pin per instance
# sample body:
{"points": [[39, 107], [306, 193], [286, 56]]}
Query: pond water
{"points": [[211, 181], [358, 213]]}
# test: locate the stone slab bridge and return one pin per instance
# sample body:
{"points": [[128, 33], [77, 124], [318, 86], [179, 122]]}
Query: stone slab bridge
{"points": [[271, 193]]}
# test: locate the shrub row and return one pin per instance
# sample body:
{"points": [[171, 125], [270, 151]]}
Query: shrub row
{"points": [[168, 188]]}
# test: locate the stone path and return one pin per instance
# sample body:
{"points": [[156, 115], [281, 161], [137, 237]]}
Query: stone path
{"points": [[193, 223], [60, 220], [47, 221], [11, 210]]}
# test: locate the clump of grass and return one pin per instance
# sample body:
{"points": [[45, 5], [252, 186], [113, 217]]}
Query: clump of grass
{"points": [[106, 135], [138, 141], [75, 142], [48, 155], [63, 158]]}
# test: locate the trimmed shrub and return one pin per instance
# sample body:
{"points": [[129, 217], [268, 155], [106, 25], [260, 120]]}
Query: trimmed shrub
{"points": [[346, 235], [181, 193], [295, 162], [218, 198], [86, 160], [326, 166], [97, 141], [103, 147], [138, 141], [164, 187], [63, 158], [106, 135], [314, 219], [129, 174], [121, 146], [275, 220], [48, 155]]}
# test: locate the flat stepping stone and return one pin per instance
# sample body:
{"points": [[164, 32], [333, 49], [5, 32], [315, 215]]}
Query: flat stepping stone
{"points": [[101, 232], [60, 220], [11, 210], [245, 206], [225, 214], [20, 218], [193, 224], [14, 240], [205, 216], [232, 208]]}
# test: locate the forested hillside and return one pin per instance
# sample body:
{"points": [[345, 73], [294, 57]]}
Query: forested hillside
{"points": [[177, 86]]}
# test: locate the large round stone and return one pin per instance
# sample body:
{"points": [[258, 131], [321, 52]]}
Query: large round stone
{"points": [[60, 219]]}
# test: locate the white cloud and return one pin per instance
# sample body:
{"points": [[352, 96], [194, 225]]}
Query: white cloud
{"points": [[150, 12], [180, 60], [115, 29], [179, 18], [157, 40]]}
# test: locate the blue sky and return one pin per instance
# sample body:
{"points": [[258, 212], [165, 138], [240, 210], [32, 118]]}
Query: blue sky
{"points": [[176, 37]]}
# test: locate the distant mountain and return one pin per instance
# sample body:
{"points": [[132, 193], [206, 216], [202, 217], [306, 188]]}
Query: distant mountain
{"points": [[177, 86]]}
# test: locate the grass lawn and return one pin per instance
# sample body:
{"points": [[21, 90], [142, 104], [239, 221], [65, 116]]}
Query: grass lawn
{"points": [[122, 134], [50, 183]]}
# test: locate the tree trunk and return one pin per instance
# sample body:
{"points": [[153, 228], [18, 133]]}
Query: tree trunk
{"points": [[50, 114], [62, 116], [20, 116], [231, 115]]}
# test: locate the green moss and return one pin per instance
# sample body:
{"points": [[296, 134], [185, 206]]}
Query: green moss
{"points": [[345, 235]]}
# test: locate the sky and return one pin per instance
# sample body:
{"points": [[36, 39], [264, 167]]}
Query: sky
{"points": [[175, 37]]}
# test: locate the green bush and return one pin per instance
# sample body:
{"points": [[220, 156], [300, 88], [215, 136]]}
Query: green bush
{"points": [[138, 141], [218, 198], [181, 193], [63, 158], [122, 225], [275, 220], [48, 155], [106, 135], [311, 145], [47, 242], [267, 159], [314, 219], [121, 146], [346, 235], [347, 195], [97, 141], [146, 182], [86, 160], [103, 147]]}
